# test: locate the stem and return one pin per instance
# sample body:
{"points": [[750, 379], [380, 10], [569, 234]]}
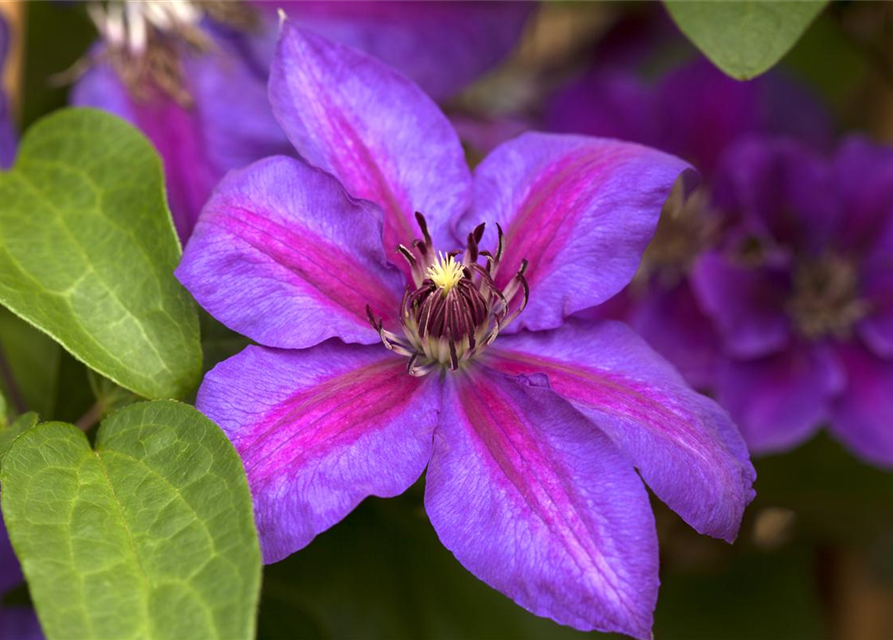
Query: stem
{"points": [[10, 384], [90, 417]]}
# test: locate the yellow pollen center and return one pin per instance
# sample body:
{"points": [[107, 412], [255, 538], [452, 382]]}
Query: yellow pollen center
{"points": [[445, 272]]}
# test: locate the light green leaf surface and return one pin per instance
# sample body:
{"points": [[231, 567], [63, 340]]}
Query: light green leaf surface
{"points": [[9, 433], [744, 38], [88, 251], [149, 536]]}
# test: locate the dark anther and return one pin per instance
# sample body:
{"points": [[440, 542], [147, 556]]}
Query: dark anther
{"points": [[406, 253], [500, 247], [423, 225], [376, 324]]}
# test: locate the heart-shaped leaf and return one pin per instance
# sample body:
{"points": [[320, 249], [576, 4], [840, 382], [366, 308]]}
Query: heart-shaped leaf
{"points": [[150, 535], [88, 249], [744, 38]]}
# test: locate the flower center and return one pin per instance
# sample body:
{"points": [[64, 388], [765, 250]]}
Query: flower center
{"points": [[445, 273], [825, 300], [453, 308]]}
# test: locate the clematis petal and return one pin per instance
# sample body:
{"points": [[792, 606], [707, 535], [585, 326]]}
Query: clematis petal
{"points": [[877, 328], [782, 191], [745, 303], [684, 445], [416, 38], [864, 172], [374, 130], [780, 400], [863, 414], [538, 504], [284, 256], [319, 430], [581, 210], [613, 103], [8, 140]]}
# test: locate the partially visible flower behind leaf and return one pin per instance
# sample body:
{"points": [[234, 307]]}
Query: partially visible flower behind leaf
{"points": [[8, 137], [696, 112], [195, 79], [17, 620], [801, 292], [530, 425]]}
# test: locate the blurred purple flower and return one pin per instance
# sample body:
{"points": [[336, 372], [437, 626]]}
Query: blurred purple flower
{"points": [[802, 294], [531, 443], [206, 110], [695, 112]]}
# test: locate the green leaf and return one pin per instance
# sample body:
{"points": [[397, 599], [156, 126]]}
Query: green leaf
{"points": [[149, 536], [744, 38], [88, 251], [8, 435]]}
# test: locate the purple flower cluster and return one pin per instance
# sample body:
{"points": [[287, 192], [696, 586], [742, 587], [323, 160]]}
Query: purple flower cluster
{"points": [[410, 315], [770, 285], [801, 292]]}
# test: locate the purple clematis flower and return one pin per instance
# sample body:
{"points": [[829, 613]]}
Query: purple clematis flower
{"points": [[696, 112], [802, 294], [193, 77], [530, 424]]}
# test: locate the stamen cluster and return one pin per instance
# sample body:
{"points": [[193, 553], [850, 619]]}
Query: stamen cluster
{"points": [[453, 308], [825, 301]]}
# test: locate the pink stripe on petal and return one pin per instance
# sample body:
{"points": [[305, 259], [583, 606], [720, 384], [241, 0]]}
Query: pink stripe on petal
{"points": [[374, 130], [319, 430], [581, 210], [283, 255], [539, 505], [685, 446]]}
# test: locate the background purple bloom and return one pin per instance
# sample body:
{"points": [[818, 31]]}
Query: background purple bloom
{"points": [[801, 294], [530, 446], [696, 112], [229, 124]]}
